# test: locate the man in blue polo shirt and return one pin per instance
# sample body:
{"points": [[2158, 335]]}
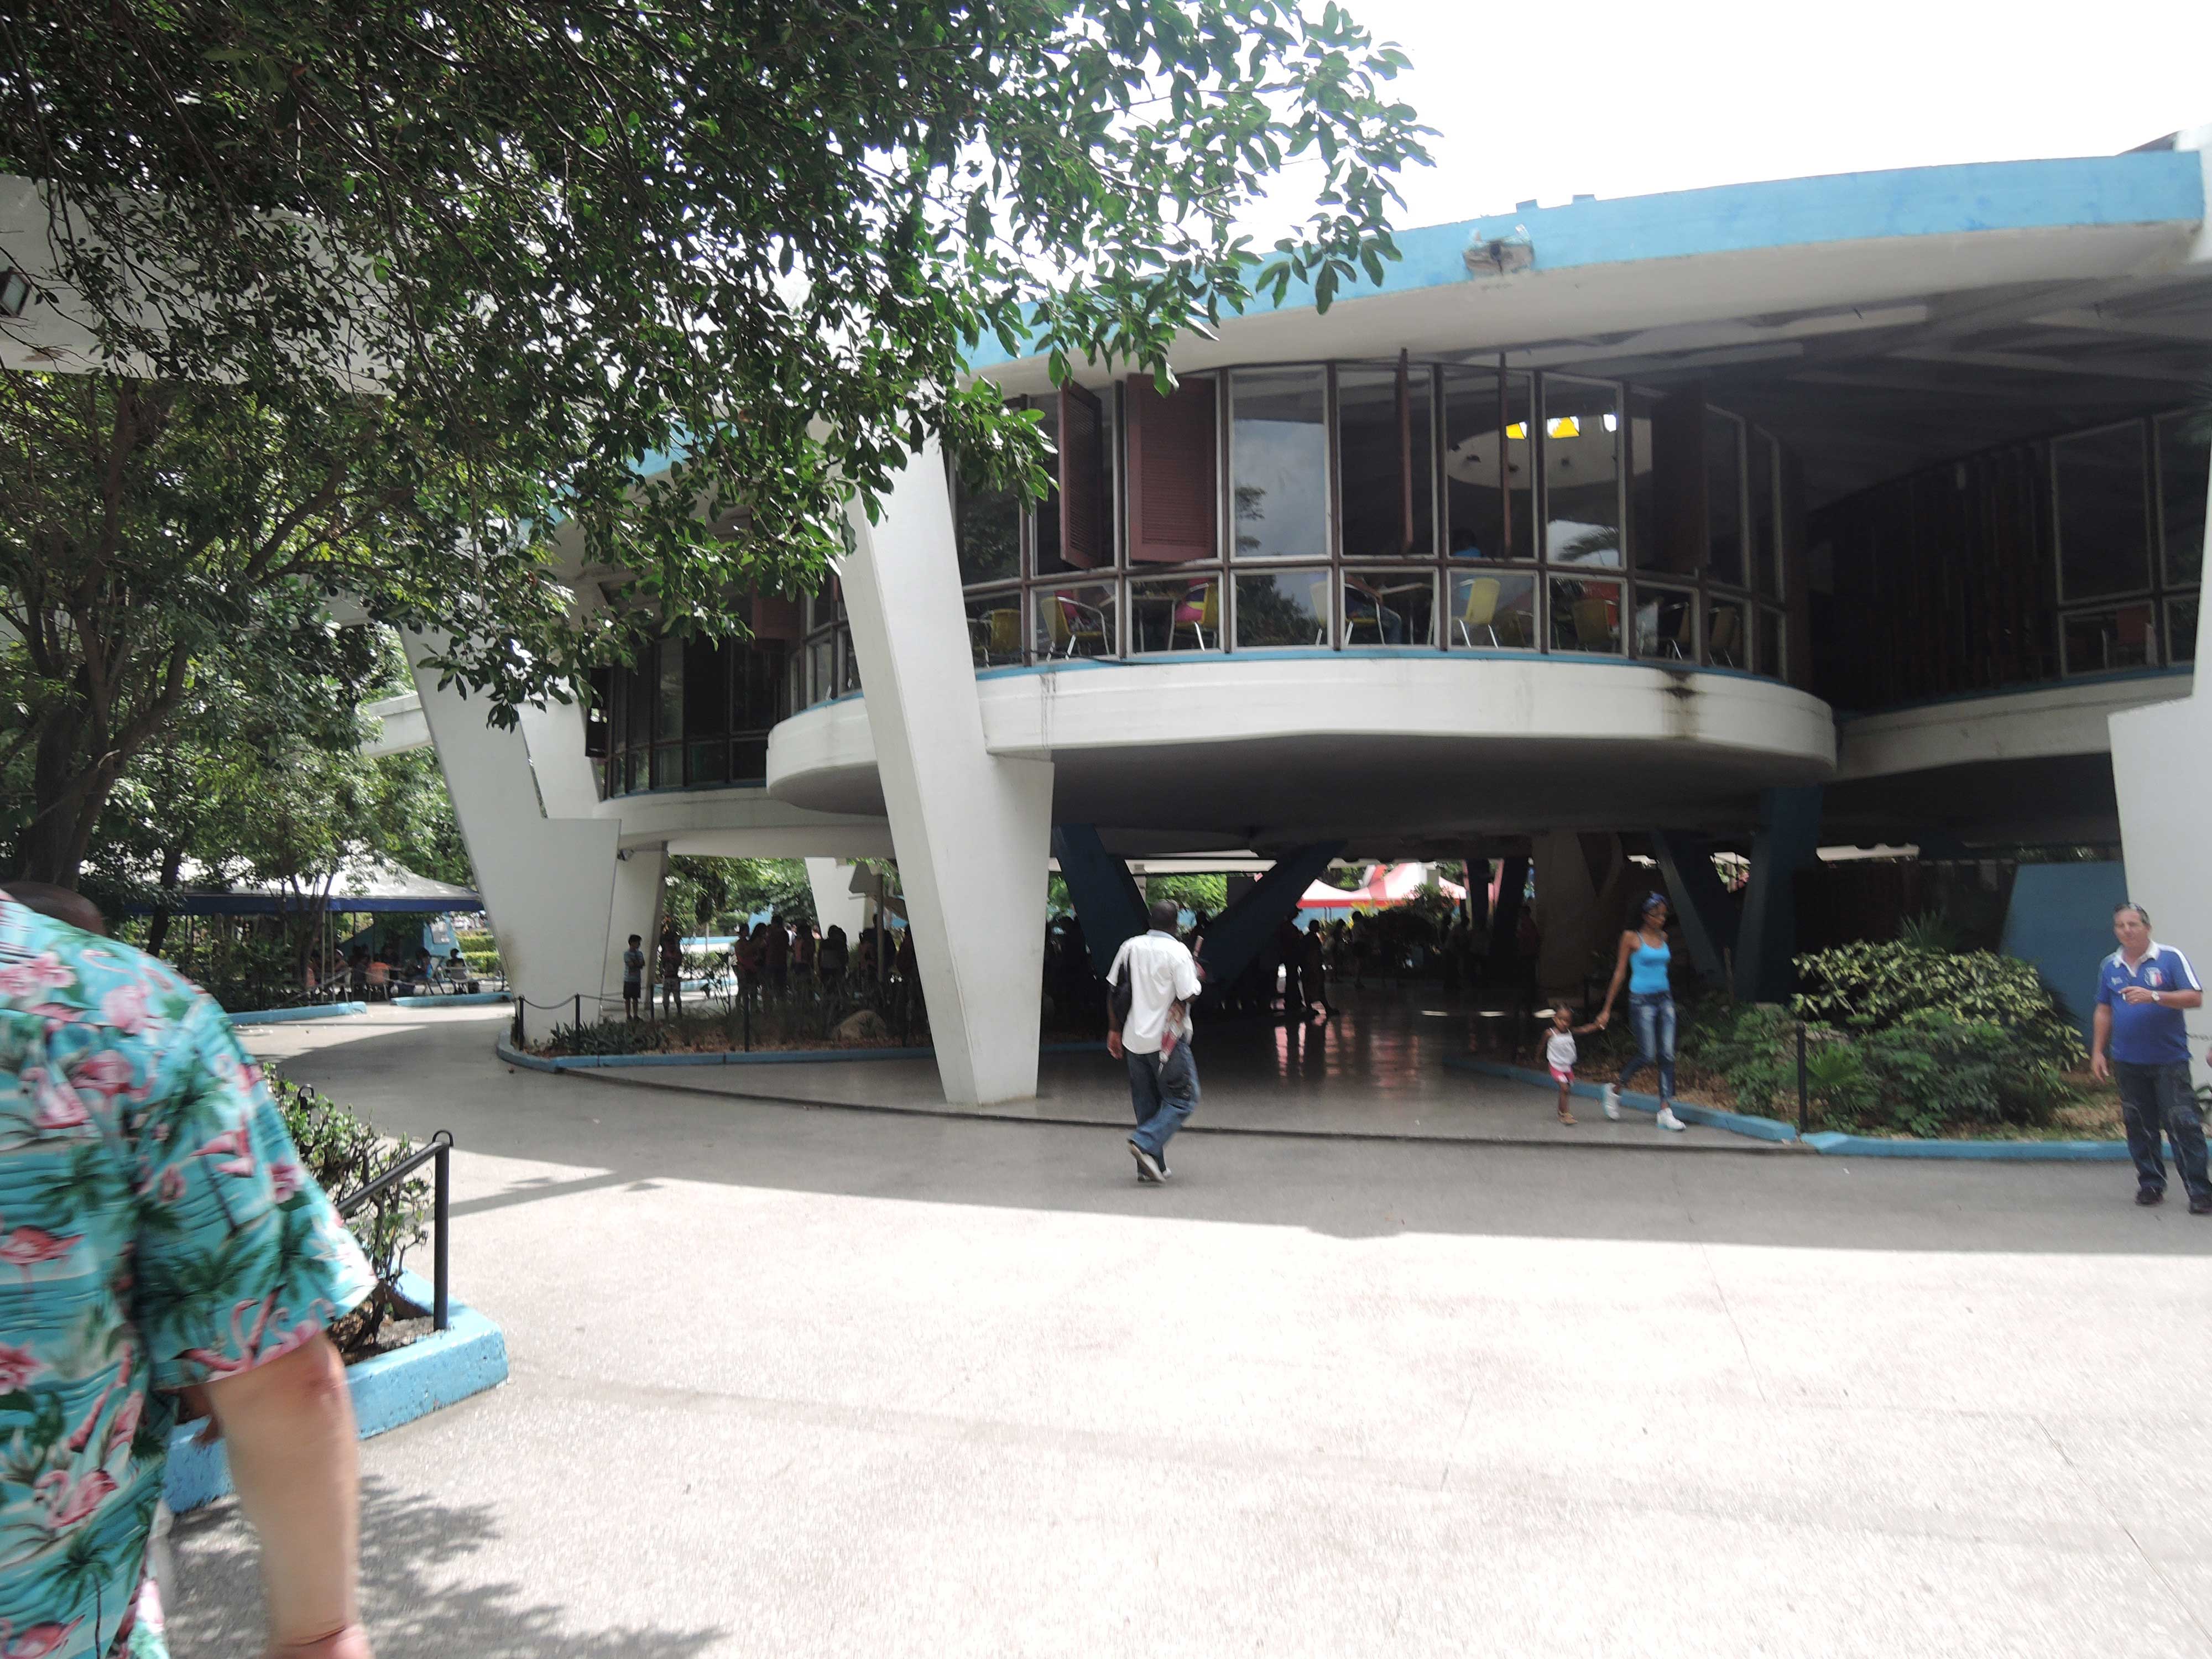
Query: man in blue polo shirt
{"points": [[2142, 989]]}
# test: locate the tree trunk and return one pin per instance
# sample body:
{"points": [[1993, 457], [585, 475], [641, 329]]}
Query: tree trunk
{"points": [[64, 806], [157, 931]]}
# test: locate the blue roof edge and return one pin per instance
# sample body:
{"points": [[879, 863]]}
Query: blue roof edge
{"points": [[2139, 187]]}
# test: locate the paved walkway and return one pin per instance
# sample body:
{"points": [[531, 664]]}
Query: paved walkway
{"points": [[811, 1383]]}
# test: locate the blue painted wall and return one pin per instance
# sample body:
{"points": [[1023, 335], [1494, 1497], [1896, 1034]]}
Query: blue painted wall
{"points": [[2061, 919]]}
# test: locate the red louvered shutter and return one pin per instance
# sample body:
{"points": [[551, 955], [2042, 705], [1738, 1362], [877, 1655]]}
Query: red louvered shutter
{"points": [[1084, 538], [774, 618], [1174, 485]]}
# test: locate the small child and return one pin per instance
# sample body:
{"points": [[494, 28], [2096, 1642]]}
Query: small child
{"points": [[1559, 1054], [632, 977]]}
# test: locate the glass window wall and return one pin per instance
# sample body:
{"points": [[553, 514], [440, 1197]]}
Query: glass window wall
{"points": [[1582, 472], [1724, 552], [1773, 644], [1489, 465], [1368, 500], [691, 713], [1728, 641], [1385, 451], [2103, 535], [1283, 609], [2103, 640], [2182, 467], [2181, 630], [1279, 463]]}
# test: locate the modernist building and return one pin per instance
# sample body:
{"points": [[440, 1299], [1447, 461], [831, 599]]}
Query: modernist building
{"points": [[1847, 509]]}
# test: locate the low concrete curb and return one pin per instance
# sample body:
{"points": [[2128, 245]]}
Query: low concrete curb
{"points": [[1711, 1117], [514, 1056], [458, 1000], [1985, 1151], [468, 1357], [285, 1015]]}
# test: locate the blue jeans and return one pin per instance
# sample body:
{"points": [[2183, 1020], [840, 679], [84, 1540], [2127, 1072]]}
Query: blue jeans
{"points": [[1163, 1092], [1652, 1014], [2154, 1097]]}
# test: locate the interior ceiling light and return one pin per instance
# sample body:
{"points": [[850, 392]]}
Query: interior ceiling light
{"points": [[1563, 425], [1517, 431]]}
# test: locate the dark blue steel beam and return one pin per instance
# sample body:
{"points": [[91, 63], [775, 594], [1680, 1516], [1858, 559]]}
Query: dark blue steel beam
{"points": [[1788, 839], [1102, 891], [1235, 937], [1694, 889]]}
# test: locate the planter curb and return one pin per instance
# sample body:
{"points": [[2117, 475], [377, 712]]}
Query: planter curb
{"points": [[282, 1016], [1711, 1117]]}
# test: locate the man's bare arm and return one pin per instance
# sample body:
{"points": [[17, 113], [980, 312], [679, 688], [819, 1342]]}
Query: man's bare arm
{"points": [[296, 1461]]}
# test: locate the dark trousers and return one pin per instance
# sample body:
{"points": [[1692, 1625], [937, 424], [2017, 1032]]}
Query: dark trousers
{"points": [[2155, 1097], [1163, 1092]]}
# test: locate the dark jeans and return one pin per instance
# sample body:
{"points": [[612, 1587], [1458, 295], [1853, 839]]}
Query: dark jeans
{"points": [[1652, 1015], [1163, 1092], [2155, 1097]]}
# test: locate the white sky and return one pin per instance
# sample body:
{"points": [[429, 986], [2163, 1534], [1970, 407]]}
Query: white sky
{"points": [[1549, 100]]}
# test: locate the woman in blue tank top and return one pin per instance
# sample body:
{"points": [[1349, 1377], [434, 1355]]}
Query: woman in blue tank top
{"points": [[1643, 960]]}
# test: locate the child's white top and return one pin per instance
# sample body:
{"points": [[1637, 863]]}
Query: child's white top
{"points": [[1559, 1051]]}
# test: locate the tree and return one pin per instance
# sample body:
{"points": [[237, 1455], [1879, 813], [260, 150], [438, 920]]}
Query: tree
{"points": [[394, 301]]}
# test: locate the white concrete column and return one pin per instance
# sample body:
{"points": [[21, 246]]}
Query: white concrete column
{"points": [[835, 901], [973, 830], [2162, 774], [639, 876], [548, 884]]}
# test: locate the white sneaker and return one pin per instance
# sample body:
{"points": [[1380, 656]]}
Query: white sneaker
{"points": [[1611, 1101], [1668, 1121]]}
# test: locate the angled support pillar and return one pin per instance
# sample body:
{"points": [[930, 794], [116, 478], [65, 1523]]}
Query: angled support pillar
{"points": [[1237, 934], [548, 882], [1105, 893], [1789, 837], [1506, 920], [1694, 889], [972, 829]]}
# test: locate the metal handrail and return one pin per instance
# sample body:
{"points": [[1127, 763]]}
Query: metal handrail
{"points": [[438, 1150]]}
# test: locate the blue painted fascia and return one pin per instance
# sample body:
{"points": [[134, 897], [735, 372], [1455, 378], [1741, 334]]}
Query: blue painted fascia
{"points": [[2083, 192], [468, 1357], [2077, 192]]}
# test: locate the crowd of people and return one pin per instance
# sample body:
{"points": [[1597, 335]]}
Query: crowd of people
{"points": [[772, 957], [379, 974]]}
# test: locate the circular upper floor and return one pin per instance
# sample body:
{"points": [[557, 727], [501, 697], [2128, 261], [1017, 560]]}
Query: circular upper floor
{"points": [[1238, 750]]}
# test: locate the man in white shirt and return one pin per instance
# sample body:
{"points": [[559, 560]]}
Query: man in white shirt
{"points": [[1154, 1035]]}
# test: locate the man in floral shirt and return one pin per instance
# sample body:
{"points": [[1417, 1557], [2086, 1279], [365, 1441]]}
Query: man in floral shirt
{"points": [[156, 1234]]}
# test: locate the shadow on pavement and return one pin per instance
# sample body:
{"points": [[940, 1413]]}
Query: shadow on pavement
{"points": [[407, 1539]]}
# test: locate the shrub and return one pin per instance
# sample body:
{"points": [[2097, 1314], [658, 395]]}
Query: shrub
{"points": [[343, 1154], [1874, 986], [631, 1036]]}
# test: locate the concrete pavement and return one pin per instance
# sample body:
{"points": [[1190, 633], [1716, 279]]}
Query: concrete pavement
{"points": [[803, 1382]]}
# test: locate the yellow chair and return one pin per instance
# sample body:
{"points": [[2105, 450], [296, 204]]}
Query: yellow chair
{"points": [[1594, 628], [1720, 644], [1006, 627], [1317, 602], [1071, 623], [1481, 610], [1199, 616]]}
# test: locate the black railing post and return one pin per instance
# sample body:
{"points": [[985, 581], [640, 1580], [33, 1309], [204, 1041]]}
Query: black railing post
{"points": [[441, 1194], [518, 1018], [580, 1011], [1801, 1077]]}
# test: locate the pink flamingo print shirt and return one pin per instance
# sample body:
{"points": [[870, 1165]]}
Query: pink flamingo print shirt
{"points": [[155, 1231]]}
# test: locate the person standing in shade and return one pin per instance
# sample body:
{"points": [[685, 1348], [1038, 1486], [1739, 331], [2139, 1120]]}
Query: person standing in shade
{"points": [[1643, 960], [671, 971], [1152, 1037], [2137, 1039], [633, 976]]}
